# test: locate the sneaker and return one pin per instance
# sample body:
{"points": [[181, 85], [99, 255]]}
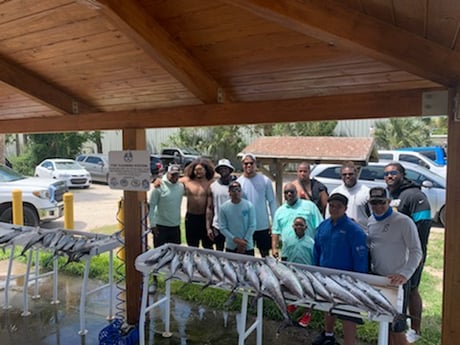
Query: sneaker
{"points": [[323, 339], [412, 336], [291, 308], [304, 320]]}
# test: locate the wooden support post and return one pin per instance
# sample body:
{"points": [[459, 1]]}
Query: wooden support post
{"points": [[451, 302], [133, 139]]}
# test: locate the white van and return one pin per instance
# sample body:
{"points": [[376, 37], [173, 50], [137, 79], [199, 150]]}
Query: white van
{"points": [[412, 157]]}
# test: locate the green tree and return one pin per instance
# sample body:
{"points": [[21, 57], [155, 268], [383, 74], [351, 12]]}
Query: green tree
{"points": [[61, 145], [313, 128], [403, 132], [96, 138], [216, 142]]}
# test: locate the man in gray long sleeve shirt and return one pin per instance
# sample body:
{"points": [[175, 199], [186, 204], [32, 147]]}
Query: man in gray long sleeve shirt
{"points": [[394, 247]]}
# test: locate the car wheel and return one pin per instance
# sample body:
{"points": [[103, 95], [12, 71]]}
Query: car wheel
{"points": [[442, 216], [30, 216]]}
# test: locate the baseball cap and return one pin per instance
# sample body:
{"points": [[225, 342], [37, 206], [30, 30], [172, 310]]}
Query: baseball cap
{"points": [[379, 193], [248, 154], [174, 169], [338, 197], [224, 163]]}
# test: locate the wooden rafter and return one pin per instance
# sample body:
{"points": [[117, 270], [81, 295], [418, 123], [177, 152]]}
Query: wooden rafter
{"points": [[140, 26], [331, 21], [352, 106], [40, 90]]}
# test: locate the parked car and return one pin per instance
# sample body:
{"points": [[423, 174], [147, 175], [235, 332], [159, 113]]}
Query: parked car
{"points": [[433, 185], [42, 198], [64, 169], [96, 164], [176, 155], [435, 153], [156, 166], [412, 157]]}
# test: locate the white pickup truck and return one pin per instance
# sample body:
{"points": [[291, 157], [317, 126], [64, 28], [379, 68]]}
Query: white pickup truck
{"points": [[42, 198]]}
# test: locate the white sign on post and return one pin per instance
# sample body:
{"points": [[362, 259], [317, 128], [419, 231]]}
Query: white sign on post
{"points": [[129, 170]]}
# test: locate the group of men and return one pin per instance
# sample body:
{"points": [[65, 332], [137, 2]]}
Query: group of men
{"points": [[380, 230]]}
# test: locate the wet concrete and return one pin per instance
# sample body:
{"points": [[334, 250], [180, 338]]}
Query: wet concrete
{"points": [[59, 323]]}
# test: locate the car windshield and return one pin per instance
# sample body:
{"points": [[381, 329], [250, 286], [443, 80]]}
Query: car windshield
{"points": [[68, 165], [9, 175]]}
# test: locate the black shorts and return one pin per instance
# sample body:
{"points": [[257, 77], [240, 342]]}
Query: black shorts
{"points": [[423, 227], [195, 231], [247, 252], [166, 234], [399, 324], [262, 239]]}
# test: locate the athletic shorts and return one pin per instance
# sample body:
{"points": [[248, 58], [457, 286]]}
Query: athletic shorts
{"points": [[166, 234], [262, 239]]}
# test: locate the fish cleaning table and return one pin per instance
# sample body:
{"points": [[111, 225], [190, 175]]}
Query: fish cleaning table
{"points": [[99, 244], [143, 264]]}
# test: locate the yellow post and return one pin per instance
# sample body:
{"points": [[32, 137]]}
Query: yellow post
{"points": [[18, 211], [121, 225], [68, 211]]}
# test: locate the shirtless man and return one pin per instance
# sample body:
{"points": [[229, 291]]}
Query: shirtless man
{"points": [[197, 179], [310, 189]]}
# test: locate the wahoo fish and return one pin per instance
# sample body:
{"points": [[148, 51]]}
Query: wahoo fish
{"points": [[47, 239], [365, 300], [35, 238], [229, 273], [203, 268], [165, 259], [286, 277], [320, 290], [157, 253], [188, 266], [70, 244], [216, 267], [57, 236], [251, 276], [270, 287], [176, 263], [6, 238], [338, 291], [307, 285]]}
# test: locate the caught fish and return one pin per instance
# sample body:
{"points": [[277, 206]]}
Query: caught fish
{"points": [[216, 267], [57, 236], [203, 268], [188, 266], [165, 259], [229, 272], [251, 277], [47, 239], [320, 291], [286, 277], [271, 288], [175, 265], [6, 238], [337, 291], [157, 253], [34, 239], [307, 285]]}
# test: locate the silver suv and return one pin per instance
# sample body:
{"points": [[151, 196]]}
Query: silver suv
{"points": [[96, 164]]}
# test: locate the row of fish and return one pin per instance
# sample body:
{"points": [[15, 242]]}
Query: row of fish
{"points": [[59, 241], [279, 281]]}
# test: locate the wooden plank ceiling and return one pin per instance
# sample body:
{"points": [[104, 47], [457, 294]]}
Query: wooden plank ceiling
{"points": [[110, 64]]}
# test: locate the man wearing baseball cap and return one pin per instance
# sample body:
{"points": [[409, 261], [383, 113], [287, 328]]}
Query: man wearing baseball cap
{"points": [[395, 233], [165, 208], [340, 243]]}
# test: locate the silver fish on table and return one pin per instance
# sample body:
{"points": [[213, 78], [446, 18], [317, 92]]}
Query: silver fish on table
{"points": [[188, 265], [338, 291], [165, 259], [34, 239], [157, 253], [307, 285], [320, 290], [229, 272], [216, 267], [286, 277], [251, 276], [175, 265], [203, 267]]}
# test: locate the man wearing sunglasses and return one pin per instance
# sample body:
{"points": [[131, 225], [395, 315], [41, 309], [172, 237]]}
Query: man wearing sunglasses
{"points": [[237, 222], [258, 189], [357, 194], [409, 199], [395, 249]]}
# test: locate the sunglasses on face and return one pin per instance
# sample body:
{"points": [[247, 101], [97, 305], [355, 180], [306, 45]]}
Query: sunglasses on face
{"points": [[248, 163], [287, 191], [377, 202], [348, 174], [392, 173], [235, 189]]}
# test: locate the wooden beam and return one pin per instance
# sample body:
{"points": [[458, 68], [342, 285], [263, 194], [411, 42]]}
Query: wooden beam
{"points": [[324, 108], [140, 26], [40, 90], [334, 22]]}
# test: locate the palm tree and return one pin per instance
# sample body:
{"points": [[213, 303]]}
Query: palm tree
{"points": [[404, 132]]}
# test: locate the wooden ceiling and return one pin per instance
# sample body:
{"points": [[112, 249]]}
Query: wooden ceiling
{"points": [[107, 64]]}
